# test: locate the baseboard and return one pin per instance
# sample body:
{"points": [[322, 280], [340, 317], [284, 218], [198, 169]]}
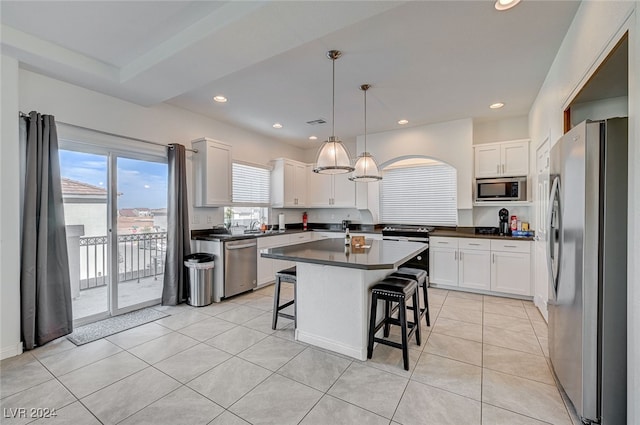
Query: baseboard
{"points": [[542, 306], [331, 345], [12, 351]]}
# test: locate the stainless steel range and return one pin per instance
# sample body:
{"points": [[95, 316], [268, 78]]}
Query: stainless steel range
{"points": [[413, 234]]}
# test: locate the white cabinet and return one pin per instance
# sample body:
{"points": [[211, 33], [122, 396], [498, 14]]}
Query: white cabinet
{"points": [[331, 191], [505, 159], [443, 261], [212, 173], [288, 184], [474, 267], [491, 265], [344, 191], [268, 267], [511, 267]]}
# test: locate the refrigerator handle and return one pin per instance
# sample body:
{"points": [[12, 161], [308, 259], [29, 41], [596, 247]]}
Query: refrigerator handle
{"points": [[554, 234]]}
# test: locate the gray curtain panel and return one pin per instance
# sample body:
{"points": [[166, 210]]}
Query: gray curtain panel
{"points": [[45, 293], [176, 288]]}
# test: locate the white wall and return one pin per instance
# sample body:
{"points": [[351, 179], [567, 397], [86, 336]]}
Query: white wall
{"points": [[10, 344], [513, 128], [600, 110], [449, 142], [595, 30]]}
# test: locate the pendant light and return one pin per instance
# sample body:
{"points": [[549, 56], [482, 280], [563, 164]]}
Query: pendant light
{"points": [[333, 156], [366, 168]]}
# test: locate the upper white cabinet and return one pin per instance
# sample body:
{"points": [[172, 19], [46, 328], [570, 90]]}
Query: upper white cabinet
{"points": [[288, 183], [505, 159], [331, 191], [212, 173]]}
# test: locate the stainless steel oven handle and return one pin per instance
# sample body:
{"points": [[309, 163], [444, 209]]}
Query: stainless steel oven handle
{"points": [[232, 247]]}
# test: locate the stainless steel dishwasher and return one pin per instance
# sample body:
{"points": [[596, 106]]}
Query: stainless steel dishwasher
{"points": [[240, 266]]}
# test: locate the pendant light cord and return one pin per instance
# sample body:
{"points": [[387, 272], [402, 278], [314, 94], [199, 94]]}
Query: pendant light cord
{"points": [[333, 99]]}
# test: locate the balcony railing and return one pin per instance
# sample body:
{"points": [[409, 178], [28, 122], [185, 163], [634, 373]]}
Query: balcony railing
{"points": [[139, 255]]}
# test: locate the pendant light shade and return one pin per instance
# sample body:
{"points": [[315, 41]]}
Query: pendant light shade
{"points": [[366, 168], [333, 156]]}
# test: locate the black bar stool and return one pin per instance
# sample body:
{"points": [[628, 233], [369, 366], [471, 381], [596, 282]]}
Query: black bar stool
{"points": [[422, 279], [286, 275], [394, 289]]}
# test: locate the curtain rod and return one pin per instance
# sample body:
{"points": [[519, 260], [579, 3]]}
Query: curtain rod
{"points": [[23, 115]]}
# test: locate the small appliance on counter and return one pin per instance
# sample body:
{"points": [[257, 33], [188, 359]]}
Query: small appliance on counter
{"points": [[503, 226], [346, 224], [281, 225]]}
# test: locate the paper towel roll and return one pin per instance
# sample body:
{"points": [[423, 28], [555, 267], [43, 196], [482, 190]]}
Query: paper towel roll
{"points": [[280, 221]]}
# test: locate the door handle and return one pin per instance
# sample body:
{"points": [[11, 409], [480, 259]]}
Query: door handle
{"points": [[232, 247], [498, 168], [493, 258], [461, 254], [510, 246], [455, 255], [502, 168]]}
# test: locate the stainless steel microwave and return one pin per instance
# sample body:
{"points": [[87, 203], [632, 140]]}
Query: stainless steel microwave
{"points": [[501, 189]]}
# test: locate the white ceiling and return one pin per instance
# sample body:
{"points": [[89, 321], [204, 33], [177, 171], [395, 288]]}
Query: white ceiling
{"points": [[428, 61]]}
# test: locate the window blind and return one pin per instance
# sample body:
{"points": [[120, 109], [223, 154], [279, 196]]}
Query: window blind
{"points": [[424, 194], [251, 184]]}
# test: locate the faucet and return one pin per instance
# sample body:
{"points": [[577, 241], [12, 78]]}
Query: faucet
{"points": [[253, 224]]}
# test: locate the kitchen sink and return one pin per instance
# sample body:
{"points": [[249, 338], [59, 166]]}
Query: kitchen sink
{"points": [[258, 232]]}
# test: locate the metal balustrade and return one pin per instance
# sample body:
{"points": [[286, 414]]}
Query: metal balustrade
{"points": [[140, 255]]}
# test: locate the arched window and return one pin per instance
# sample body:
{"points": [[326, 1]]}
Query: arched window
{"points": [[419, 191]]}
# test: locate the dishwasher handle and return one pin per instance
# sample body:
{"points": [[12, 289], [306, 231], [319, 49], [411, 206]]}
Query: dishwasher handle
{"points": [[246, 245]]}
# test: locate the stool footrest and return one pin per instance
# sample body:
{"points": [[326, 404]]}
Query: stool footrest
{"points": [[285, 305], [287, 316]]}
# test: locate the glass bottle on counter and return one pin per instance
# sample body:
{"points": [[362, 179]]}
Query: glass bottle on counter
{"points": [[347, 238]]}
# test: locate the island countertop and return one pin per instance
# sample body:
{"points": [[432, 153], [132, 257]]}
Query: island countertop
{"points": [[382, 254]]}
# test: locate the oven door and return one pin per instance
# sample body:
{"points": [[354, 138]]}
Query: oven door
{"points": [[420, 261]]}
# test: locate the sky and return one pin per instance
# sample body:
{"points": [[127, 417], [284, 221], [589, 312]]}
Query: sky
{"points": [[142, 184]]}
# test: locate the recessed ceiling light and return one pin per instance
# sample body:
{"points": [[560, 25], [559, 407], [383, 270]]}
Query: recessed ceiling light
{"points": [[313, 137], [506, 4], [277, 125], [403, 122], [496, 105], [220, 99]]}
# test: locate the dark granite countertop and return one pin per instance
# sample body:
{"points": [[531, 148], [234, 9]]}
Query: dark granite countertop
{"points": [[332, 252], [470, 232], [206, 235]]}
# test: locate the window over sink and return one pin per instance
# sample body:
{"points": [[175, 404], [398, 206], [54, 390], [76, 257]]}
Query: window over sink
{"points": [[250, 196], [419, 191]]}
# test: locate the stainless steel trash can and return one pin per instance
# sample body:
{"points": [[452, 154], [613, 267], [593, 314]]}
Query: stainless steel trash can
{"points": [[200, 267]]}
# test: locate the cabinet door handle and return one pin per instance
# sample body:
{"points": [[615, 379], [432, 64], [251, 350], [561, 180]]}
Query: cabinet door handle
{"points": [[461, 254], [493, 258], [498, 168], [509, 246], [474, 244], [445, 243], [456, 255], [502, 168]]}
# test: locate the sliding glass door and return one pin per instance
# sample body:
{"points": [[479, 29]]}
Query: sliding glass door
{"points": [[86, 197], [141, 222], [116, 215]]}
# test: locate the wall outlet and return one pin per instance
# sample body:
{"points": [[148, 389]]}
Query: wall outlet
{"points": [[195, 219], [209, 219]]}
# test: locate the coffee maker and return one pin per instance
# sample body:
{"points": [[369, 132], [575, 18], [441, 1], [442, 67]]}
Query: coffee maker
{"points": [[503, 227]]}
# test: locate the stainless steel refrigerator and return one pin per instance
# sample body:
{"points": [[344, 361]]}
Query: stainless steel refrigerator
{"points": [[587, 258]]}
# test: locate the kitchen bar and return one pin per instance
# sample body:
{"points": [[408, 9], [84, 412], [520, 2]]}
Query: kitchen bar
{"points": [[332, 289]]}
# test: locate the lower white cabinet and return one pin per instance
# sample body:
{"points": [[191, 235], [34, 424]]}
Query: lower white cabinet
{"points": [[481, 264], [268, 267], [511, 267]]}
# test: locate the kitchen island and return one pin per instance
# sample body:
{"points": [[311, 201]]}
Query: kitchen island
{"points": [[332, 290]]}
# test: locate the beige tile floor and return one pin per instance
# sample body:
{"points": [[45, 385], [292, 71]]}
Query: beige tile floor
{"points": [[481, 362]]}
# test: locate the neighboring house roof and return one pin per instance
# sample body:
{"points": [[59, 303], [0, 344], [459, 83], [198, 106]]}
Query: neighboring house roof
{"points": [[127, 212], [76, 188]]}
